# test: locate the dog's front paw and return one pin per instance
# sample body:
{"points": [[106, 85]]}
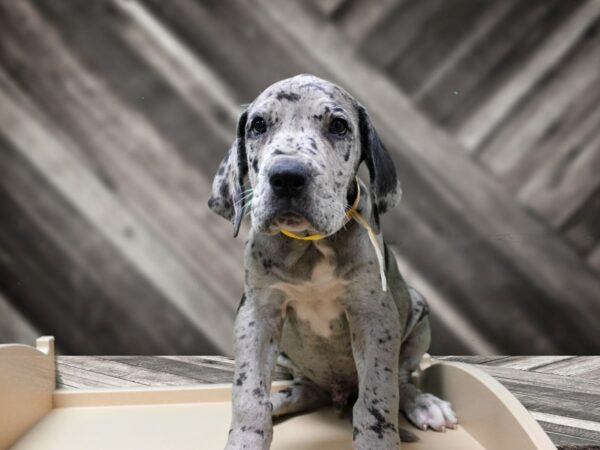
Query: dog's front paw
{"points": [[249, 438], [428, 411]]}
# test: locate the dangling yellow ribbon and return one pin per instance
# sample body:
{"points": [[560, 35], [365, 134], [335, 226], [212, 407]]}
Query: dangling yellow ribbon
{"points": [[352, 213]]}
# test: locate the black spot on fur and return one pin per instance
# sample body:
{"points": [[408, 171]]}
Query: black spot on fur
{"points": [[261, 433], [381, 425], [224, 190], [267, 264], [277, 152], [256, 392], [242, 377], [318, 117], [355, 432], [255, 165], [289, 96]]}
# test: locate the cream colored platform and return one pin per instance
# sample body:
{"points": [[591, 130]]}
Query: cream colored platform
{"points": [[40, 418]]}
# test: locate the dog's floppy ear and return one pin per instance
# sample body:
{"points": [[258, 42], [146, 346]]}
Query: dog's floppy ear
{"points": [[227, 198], [385, 186]]}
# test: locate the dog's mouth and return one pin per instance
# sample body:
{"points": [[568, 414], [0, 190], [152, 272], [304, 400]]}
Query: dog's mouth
{"points": [[291, 221]]}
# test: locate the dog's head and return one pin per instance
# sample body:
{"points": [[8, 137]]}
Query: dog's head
{"points": [[295, 157]]}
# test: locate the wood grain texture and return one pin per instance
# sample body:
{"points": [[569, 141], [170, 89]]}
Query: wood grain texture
{"points": [[115, 114], [423, 152]]}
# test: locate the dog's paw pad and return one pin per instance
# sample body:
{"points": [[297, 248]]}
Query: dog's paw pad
{"points": [[427, 411]]}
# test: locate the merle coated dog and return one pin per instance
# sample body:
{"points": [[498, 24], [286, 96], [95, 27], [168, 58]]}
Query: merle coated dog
{"points": [[315, 298]]}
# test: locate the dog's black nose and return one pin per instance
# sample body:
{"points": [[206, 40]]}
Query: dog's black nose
{"points": [[288, 178]]}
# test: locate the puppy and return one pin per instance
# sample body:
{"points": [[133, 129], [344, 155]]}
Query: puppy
{"points": [[322, 290]]}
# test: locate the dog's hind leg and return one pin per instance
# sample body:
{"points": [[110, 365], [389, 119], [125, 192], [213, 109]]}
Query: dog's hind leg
{"points": [[422, 409], [302, 395]]}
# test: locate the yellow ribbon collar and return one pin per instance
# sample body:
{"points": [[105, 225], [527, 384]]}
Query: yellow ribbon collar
{"points": [[352, 213], [317, 237]]}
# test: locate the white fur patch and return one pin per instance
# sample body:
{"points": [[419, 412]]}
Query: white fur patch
{"points": [[316, 301]]}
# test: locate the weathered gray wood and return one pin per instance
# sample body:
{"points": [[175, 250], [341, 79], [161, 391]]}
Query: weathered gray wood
{"points": [[576, 366], [421, 148], [359, 17], [396, 30], [475, 359], [143, 95], [594, 258], [104, 276], [14, 328], [229, 51], [589, 431], [494, 13], [567, 181], [127, 372], [582, 229], [330, 7], [70, 376], [421, 53], [482, 121], [142, 165], [521, 133], [584, 390], [497, 57], [528, 362]]}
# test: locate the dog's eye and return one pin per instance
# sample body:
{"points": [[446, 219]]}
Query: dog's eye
{"points": [[258, 126], [338, 126]]}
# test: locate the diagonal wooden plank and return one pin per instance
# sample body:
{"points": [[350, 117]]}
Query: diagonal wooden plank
{"points": [[455, 21], [594, 258], [177, 368], [520, 134], [359, 17], [582, 229], [485, 119], [446, 320], [567, 181], [220, 33], [129, 374], [14, 327], [475, 359], [193, 79], [86, 293], [421, 146], [74, 181], [527, 362], [495, 13], [156, 160], [70, 376], [584, 390], [142, 171], [577, 366], [396, 30], [493, 60], [566, 425]]}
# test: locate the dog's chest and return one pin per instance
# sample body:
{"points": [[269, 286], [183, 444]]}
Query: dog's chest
{"points": [[317, 300]]}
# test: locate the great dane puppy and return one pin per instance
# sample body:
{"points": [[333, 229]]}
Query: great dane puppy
{"points": [[320, 305]]}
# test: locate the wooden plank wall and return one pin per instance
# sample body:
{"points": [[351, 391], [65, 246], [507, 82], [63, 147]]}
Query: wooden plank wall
{"points": [[114, 115]]}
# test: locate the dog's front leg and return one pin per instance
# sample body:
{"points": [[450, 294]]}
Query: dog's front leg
{"points": [[257, 331], [376, 336]]}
